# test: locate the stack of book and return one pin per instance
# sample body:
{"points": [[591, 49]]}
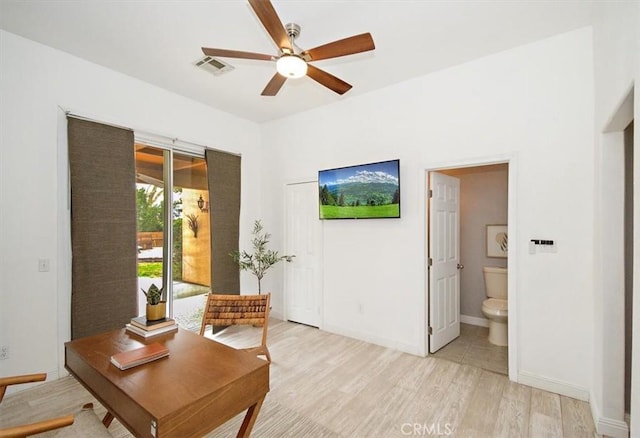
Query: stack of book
{"points": [[140, 326]]}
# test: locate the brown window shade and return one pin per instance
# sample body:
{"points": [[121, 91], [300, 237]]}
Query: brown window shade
{"points": [[223, 172], [103, 227]]}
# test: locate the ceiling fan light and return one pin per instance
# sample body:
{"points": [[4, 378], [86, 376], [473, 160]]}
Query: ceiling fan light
{"points": [[291, 66]]}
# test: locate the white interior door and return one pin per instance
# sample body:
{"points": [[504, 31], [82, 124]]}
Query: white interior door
{"points": [[444, 260], [303, 280]]}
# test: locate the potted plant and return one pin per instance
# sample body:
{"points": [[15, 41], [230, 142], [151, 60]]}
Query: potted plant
{"points": [[262, 258], [156, 306]]}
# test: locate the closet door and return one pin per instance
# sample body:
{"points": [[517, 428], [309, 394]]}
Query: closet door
{"points": [[303, 277]]}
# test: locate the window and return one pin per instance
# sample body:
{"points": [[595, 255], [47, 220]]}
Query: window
{"points": [[176, 257]]}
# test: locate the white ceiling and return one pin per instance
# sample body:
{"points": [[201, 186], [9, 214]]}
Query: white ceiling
{"points": [[158, 41]]}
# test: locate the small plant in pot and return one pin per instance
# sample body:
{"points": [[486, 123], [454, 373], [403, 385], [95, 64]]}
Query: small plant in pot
{"points": [[262, 258], [156, 305]]}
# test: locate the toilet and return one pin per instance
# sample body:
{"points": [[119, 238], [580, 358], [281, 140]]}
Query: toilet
{"points": [[494, 307]]}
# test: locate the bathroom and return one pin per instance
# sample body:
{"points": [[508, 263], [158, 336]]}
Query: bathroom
{"points": [[483, 202]]}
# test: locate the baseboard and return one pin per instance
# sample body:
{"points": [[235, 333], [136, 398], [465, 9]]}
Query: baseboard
{"points": [[552, 385], [607, 426], [612, 428], [276, 314], [383, 342], [474, 320]]}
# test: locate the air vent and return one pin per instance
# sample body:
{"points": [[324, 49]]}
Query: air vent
{"points": [[214, 65]]}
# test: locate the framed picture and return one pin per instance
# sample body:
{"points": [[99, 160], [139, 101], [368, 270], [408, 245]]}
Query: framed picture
{"points": [[497, 239]]}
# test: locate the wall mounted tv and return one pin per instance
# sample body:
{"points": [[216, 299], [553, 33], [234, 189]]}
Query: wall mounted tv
{"points": [[365, 191]]}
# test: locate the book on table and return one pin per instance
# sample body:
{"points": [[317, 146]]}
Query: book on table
{"points": [[138, 356], [144, 324], [149, 333]]}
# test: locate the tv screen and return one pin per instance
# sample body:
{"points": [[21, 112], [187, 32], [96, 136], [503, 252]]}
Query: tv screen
{"points": [[365, 191]]}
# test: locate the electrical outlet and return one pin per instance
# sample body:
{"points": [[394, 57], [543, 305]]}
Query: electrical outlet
{"points": [[4, 352]]}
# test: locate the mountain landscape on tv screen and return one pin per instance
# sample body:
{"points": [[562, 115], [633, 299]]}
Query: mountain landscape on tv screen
{"points": [[357, 193]]}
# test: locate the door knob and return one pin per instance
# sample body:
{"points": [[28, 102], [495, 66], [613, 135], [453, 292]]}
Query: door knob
{"points": [[460, 266]]}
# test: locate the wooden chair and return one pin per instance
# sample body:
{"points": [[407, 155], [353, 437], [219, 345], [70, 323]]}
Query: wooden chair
{"points": [[32, 428], [226, 310], [88, 424]]}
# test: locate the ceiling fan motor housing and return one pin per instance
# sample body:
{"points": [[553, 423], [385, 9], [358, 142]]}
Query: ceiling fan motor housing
{"points": [[293, 30]]}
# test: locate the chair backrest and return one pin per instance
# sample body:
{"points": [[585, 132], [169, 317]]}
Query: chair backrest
{"points": [[225, 310]]}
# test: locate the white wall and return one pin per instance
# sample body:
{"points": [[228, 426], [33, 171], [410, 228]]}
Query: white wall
{"points": [[616, 66], [534, 103], [35, 80]]}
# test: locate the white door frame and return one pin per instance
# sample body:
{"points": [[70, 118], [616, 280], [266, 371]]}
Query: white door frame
{"points": [[608, 408], [512, 260]]}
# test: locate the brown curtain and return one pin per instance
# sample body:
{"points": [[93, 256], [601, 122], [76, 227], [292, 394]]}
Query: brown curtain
{"points": [[103, 227], [223, 172]]}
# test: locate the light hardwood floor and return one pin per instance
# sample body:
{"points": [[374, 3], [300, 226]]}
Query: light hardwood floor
{"points": [[473, 348], [325, 385]]}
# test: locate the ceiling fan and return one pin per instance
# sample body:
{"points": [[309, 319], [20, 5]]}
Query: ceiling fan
{"points": [[290, 61]]}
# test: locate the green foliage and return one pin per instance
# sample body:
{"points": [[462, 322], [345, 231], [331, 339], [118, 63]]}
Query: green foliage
{"points": [[262, 258], [177, 249], [363, 211], [153, 294], [149, 208], [150, 269], [326, 197], [396, 196], [354, 194]]}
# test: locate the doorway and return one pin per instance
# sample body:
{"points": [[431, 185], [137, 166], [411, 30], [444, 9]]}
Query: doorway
{"points": [[485, 192], [615, 259]]}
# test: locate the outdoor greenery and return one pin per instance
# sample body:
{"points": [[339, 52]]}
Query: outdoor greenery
{"points": [[262, 258], [150, 269], [150, 206], [177, 248]]}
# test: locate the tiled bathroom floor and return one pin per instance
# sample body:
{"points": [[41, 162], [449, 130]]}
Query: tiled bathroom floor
{"points": [[473, 348]]}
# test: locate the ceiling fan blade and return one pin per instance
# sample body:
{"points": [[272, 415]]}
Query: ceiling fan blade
{"points": [[271, 22], [235, 54], [274, 85], [327, 79], [346, 46]]}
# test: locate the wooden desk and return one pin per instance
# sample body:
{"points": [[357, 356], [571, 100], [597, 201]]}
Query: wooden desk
{"points": [[201, 385]]}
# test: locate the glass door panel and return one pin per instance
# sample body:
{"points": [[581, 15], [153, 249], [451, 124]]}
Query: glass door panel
{"points": [[180, 252], [150, 219], [191, 240]]}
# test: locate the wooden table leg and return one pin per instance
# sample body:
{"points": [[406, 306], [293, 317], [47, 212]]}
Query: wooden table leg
{"points": [[108, 418], [250, 419]]}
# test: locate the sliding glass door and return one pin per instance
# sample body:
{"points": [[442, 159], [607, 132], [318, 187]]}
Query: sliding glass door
{"points": [[173, 237]]}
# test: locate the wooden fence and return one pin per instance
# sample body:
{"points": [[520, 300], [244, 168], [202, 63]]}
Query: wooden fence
{"points": [[149, 239]]}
